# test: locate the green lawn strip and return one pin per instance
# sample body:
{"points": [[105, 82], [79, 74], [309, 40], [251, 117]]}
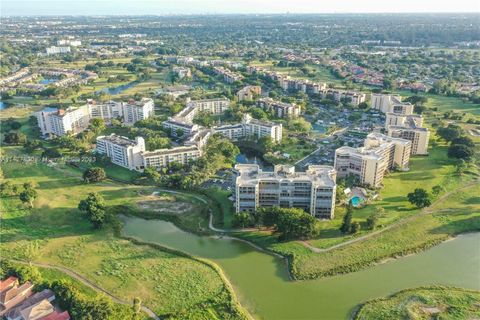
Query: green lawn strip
{"points": [[166, 282], [433, 302]]}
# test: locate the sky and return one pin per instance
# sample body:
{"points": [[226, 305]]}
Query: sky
{"points": [[166, 7]]}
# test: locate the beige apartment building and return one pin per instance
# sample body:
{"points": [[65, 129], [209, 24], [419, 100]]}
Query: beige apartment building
{"points": [[371, 162], [313, 190], [386, 103], [401, 123], [279, 109], [249, 92]]}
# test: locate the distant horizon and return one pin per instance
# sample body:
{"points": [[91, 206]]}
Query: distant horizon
{"points": [[219, 7], [236, 14]]}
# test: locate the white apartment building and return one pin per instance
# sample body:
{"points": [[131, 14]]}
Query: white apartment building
{"points": [[57, 50], [388, 103], [73, 120], [261, 128], [69, 42], [249, 92], [134, 111], [279, 109], [182, 72], [163, 157], [59, 122], [313, 190], [122, 151], [214, 106], [370, 163], [107, 111]]}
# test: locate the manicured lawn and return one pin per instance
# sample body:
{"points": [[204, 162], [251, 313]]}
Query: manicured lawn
{"points": [[166, 282], [423, 303]]}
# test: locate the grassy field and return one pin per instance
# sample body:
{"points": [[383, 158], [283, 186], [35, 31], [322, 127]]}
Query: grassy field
{"points": [[322, 74], [167, 283], [423, 303]]}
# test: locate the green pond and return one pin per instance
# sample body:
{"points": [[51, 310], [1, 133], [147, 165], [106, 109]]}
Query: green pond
{"points": [[262, 285]]}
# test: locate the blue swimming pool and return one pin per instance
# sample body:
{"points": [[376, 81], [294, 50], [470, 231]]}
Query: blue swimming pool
{"points": [[356, 201]]}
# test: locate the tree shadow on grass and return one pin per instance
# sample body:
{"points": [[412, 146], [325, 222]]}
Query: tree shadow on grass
{"points": [[470, 224]]}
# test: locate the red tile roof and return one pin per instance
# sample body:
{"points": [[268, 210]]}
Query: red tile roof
{"points": [[57, 316], [10, 281]]}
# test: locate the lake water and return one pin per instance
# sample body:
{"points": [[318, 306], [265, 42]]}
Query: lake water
{"points": [[119, 89], [3, 105], [262, 285], [47, 80]]}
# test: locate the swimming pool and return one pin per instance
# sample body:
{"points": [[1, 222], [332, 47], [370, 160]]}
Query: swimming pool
{"points": [[356, 201]]}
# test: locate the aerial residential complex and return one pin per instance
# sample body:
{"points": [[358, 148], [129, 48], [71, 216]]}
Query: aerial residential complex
{"points": [[131, 154], [58, 122], [313, 190], [370, 163], [279, 109]]}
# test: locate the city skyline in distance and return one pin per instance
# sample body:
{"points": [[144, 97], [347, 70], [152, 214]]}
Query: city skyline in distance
{"points": [[165, 7]]}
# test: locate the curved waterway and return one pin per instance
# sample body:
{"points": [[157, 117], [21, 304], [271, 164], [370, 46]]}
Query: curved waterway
{"points": [[261, 280]]}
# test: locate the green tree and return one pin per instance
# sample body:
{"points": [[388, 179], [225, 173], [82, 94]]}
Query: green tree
{"points": [[372, 221], [94, 174], [15, 138], [461, 151], [296, 224], [420, 198], [242, 219], [347, 219], [437, 189], [97, 125], [28, 195], [355, 227], [94, 208]]}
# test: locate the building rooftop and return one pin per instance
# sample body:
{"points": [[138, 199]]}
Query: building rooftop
{"points": [[169, 151], [319, 175], [118, 140]]}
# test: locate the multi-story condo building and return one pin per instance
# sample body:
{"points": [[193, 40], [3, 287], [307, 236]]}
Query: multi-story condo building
{"points": [[249, 92], [163, 157], [214, 106], [387, 103], [280, 109], [371, 162], [182, 72], [107, 111], [228, 75], [313, 190], [410, 128], [134, 111], [73, 120], [252, 128], [122, 151], [59, 122], [57, 50], [352, 97], [260, 128], [401, 123]]}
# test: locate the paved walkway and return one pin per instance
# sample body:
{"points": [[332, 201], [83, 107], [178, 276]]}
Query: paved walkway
{"points": [[425, 211], [88, 283]]}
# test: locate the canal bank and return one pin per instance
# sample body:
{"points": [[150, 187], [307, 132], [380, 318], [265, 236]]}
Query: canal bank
{"points": [[262, 284]]}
